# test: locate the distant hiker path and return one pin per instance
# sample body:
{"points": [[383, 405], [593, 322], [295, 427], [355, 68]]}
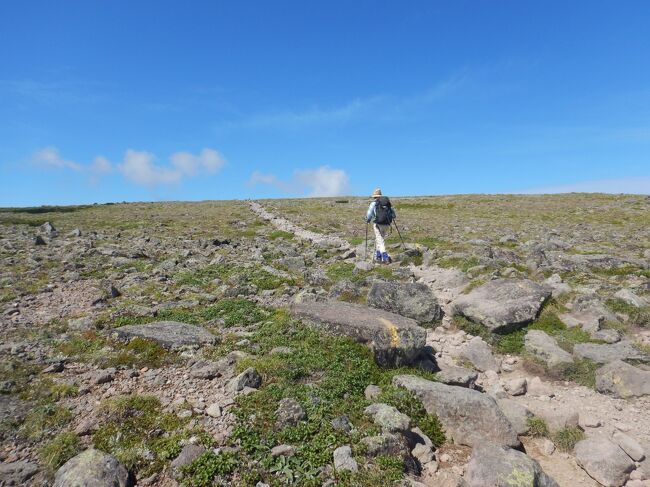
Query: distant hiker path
{"points": [[287, 226]]}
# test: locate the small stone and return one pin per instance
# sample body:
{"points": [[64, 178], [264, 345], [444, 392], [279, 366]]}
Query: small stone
{"points": [[388, 417], [547, 447], [516, 387], [342, 423], [372, 392], [586, 420], [343, 460], [214, 410], [283, 451], [423, 453], [289, 413], [188, 454]]}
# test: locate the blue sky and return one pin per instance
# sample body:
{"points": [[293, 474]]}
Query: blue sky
{"points": [[150, 100]]}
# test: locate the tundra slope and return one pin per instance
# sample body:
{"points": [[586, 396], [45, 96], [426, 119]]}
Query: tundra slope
{"points": [[224, 268]]}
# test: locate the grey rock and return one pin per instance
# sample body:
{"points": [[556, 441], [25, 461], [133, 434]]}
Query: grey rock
{"points": [[343, 460], [188, 454], [395, 340], [364, 265], [630, 298], [545, 348], [296, 263], [372, 392], [248, 378], [609, 352], [17, 473], [169, 334], [81, 324], [604, 461], [622, 380], [502, 304], [205, 370], [500, 466], [342, 423], [516, 413], [479, 354], [629, 445], [587, 320], [388, 418], [410, 299], [607, 335], [103, 376], [385, 444], [47, 228], [516, 387], [283, 451], [289, 413], [468, 416], [453, 375], [92, 467], [423, 453]]}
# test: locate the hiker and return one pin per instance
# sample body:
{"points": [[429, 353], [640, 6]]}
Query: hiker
{"points": [[381, 214]]}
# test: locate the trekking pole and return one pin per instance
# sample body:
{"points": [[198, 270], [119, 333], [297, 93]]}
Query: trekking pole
{"points": [[398, 233], [365, 252]]}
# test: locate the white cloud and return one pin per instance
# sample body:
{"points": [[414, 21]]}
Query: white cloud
{"points": [[633, 185], [209, 160], [101, 165], [50, 156], [139, 167], [323, 181]]}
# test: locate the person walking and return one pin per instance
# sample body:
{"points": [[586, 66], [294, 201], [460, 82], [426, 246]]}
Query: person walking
{"points": [[381, 214]]}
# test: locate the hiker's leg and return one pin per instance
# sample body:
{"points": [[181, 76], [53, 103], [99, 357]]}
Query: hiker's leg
{"points": [[379, 238], [383, 231]]}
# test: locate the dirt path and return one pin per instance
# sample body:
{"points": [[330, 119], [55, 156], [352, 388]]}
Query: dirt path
{"points": [[287, 226]]}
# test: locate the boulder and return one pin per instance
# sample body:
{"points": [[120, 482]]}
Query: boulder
{"points": [[545, 348], [604, 353], [395, 340], [92, 467], [453, 375], [17, 473], [500, 466], [479, 354], [516, 413], [604, 461], [630, 298], [587, 320], [249, 378], [629, 445], [622, 380], [503, 304], [468, 416], [411, 299], [188, 454], [388, 417], [386, 444], [169, 334], [289, 413]]}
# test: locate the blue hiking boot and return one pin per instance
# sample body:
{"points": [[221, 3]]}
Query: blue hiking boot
{"points": [[385, 258], [378, 256]]}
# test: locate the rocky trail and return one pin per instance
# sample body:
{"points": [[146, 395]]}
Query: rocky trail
{"points": [[182, 354]]}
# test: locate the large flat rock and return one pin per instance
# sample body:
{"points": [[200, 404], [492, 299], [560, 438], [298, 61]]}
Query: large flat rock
{"points": [[499, 466], [503, 304], [622, 380], [395, 340], [468, 416], [604, 353], [604, 461], [545, 348], [411, 299], [169, 334]]}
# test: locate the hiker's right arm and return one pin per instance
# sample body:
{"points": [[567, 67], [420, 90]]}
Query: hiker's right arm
{"points": [[371, 212]]}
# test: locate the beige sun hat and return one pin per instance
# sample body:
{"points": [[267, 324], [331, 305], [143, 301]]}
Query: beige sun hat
{"points": [[376, 193]]}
